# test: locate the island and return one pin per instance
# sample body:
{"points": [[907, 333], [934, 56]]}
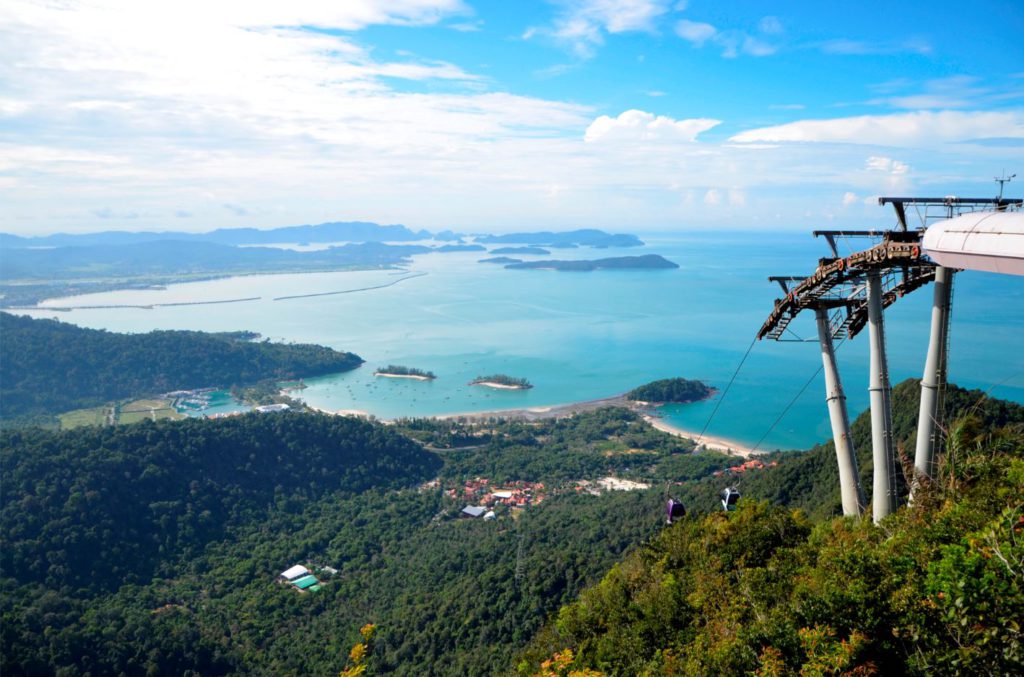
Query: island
{"points": [[500, 259], [645, 262], [589, 237], [445, 248], [397, 371], [502, 381], [671, 390], [532, 251]]}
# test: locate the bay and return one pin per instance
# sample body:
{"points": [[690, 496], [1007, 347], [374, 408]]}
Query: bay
{"points": [[583, 336]]}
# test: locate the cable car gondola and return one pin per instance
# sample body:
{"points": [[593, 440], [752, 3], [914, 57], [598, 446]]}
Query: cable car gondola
{"points": [[730, 496]]}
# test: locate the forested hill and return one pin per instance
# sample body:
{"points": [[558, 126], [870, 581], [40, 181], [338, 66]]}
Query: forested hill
{"points": [[935, 589], [93, 509], [810, 480], [51, 366]]}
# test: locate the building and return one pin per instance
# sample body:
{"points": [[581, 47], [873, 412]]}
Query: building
{"points": [[473, 511]]}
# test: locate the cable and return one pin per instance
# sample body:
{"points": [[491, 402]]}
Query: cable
{"points": [[793, 401], [788, 407], [726, 391]]}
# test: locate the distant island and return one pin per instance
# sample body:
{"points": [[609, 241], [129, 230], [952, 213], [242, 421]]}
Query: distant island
{"points": [[674, 390], [536, 251], [645, 262], [396, 371], [500, 259], [502, 381], [589, 237], [460, 248]]}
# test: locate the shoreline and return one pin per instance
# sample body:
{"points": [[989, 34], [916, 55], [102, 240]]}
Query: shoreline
{"points": [[711, 442], [416, 377], [707, 442], [500, 386]]}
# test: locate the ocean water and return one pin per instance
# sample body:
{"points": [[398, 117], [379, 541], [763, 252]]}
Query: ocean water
{"points": [[582, 336]]}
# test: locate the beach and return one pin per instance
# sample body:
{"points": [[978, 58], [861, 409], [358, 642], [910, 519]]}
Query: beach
{"points": [[501, 386], [707, 441], [415, 377], [711, 442]]}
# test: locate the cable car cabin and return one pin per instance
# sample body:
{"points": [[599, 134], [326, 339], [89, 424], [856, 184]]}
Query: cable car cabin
{"points": [[674, 510], [729, 498]]}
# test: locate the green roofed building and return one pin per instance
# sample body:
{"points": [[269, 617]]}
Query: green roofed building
{"points": [[305, 582]]}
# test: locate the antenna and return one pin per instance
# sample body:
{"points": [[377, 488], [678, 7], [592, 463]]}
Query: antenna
{"points": [[1002, 180]]}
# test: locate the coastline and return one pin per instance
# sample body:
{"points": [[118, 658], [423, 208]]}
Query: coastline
{"points": [[712, 442], [415, 377], [708, 442], [500, 386]]}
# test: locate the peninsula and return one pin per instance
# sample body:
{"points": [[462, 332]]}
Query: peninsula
{"points": [[396, 371], [502, 381], [645, 262]]}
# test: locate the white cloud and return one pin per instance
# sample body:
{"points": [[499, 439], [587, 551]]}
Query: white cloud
{"points": [[886, 165], [737, 198], [638, 125], [845, 46], [712, 197], [849, 198], [695, 32], [902, 129], [583, 23], [732, 42]]}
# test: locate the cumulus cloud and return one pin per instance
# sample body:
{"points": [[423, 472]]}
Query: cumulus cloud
{"points": [[849, 198], [900, 129], [638, 125], [770, 25], [712, 197]]}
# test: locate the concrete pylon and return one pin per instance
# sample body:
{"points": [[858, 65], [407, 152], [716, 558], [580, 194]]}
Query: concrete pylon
{"points": [[883, 493], [849, 483], [934, 377]]}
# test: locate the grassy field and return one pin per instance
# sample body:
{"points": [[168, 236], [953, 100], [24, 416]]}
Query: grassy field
{"points": [[130, 412], [80, 417], [141, 410]]}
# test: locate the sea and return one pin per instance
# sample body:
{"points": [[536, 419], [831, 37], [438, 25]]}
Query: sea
{"points": [[581, 336]]}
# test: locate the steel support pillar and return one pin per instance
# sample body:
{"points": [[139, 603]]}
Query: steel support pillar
{"points": [[883, 494], [934, 377], [849, 484]]}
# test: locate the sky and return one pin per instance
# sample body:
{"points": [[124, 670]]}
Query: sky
{"points": [[491, 116]]}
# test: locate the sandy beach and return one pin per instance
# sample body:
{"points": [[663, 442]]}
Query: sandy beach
{"points": [[707, 442], [501, 386], [711, 442], [415, 377]]}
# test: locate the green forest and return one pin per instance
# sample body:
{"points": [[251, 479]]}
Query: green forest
{"points": [[51, 367], [154, 548], [502, 379], [670, 390]]}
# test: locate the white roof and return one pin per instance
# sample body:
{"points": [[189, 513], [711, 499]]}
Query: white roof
{"points": [[992, 241], [294, 572], [490, 515], [280, 406], [502, 494], [474, 510]]}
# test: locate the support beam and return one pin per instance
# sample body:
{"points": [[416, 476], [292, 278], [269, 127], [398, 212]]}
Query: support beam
{"points": [[883, 494], [849, 484], [934, 377]]}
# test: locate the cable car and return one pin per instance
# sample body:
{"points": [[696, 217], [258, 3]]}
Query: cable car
{"points": [[675, 510], [729, 498]]}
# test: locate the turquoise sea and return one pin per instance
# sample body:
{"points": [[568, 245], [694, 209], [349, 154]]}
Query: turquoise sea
{"points": [[582, 336]]}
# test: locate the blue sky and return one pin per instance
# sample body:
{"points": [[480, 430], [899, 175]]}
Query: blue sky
{"points": [[646, 116]]}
